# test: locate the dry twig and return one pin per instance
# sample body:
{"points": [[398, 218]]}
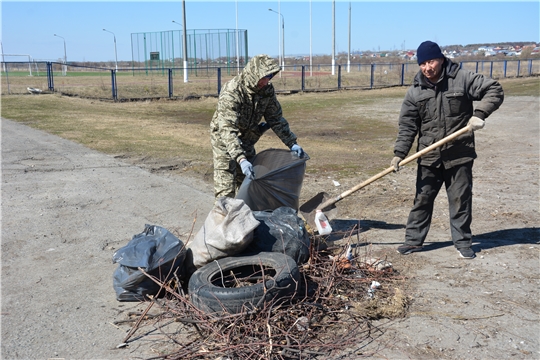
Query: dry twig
{"points": [[330, 314]]}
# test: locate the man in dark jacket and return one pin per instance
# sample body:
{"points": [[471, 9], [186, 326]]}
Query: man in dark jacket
{"points": [[439, 103], [236, 125]]}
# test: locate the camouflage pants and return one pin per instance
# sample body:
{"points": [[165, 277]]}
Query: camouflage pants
{"points": [[228, 175]]}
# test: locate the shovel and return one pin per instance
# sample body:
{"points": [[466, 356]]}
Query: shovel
{"points": [[323, 201]]}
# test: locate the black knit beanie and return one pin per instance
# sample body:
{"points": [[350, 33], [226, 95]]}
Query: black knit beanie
{"points": [[428, 50]]}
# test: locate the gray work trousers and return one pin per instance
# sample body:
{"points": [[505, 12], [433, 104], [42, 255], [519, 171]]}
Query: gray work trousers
{"points": [[458, 183]]}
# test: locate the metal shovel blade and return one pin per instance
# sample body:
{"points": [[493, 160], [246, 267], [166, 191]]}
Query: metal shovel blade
{"points": [[309, 208]]}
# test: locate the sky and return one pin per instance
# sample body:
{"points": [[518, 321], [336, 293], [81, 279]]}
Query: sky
{"points": [[28, 27]]}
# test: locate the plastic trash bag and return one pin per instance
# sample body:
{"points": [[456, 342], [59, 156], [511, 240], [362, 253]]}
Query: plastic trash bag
{"points": [[281, 231], [278, 180], [155, 250]]}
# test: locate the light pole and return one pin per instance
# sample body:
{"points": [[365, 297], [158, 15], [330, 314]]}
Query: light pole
{"points": [[282, 38], [237, 44], [177, 23], [349, 53], [184, 46], [115, 57], [65, 55], [310, 43], [334, 37]]}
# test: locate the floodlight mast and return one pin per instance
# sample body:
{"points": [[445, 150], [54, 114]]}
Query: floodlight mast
{"points": [[115, 56]]}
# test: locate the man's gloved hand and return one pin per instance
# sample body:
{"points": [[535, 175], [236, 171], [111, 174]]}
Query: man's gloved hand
{"points": [[263, 127], [247, 169], [476, 123], [298, 150], [395, 162]]}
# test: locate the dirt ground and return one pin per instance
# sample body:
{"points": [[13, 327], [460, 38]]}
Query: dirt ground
{"points": [[66, 209]]}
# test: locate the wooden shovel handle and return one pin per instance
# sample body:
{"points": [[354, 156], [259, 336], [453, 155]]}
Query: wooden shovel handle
{"points": [[391, 168]]}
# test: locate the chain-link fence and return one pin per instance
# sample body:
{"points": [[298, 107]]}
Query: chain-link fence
{"points": [[161, 50], [137, 83]]}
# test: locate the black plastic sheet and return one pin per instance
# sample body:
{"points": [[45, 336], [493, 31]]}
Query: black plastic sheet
{"points": [[278, 180]]}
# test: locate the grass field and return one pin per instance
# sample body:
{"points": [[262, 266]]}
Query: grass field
{"points": [[342, 131]]}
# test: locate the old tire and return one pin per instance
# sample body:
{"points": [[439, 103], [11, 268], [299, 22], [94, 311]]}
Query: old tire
{"points": [[234, 284]]}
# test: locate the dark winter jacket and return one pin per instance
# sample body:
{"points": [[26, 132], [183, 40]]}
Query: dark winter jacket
{"points": [[241, 107], [434, 112]]}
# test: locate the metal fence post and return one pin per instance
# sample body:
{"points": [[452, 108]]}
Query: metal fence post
{"points": [[170, 84], [339, 76], [476, 67], [518, 67], [504, 67], [402, 74], [491, 69], [50, 81], [218, 80], [530, 67], [303, 78], [6, 69], [113, 82], [371, 76]]}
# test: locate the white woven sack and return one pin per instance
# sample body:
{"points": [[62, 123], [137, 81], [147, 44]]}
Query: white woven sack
{"points": [[227, 230]]}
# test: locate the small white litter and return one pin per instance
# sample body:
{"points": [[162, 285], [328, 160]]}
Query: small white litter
{"points": [[32, 90]]}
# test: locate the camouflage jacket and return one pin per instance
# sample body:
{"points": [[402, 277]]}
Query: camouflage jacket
{"points": [[241, 107]]}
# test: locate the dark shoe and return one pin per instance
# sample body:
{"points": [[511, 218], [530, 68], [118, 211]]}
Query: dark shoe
{"points": [[466, 253], [407, 249]]}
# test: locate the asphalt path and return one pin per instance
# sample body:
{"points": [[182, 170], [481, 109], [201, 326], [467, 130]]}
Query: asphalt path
{"points": [[65, 210]]}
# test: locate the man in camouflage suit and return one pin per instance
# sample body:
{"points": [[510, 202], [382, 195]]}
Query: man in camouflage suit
{"points": [[236, 125]]}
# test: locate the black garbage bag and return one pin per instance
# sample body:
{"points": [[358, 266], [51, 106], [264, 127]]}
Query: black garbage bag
{"points": [[155, 250], [282, 231], [279, 174]]}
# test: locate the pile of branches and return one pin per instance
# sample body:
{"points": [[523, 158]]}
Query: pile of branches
{"points": [[330, 316]]}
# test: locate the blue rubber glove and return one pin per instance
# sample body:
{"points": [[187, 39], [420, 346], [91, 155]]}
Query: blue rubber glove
{"points": [[298, 150], [247, 169]]}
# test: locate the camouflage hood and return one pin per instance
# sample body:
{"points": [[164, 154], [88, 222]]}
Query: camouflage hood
{"points": [[258, 67]]}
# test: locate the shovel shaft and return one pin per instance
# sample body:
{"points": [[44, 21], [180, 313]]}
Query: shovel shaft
{"points": [[403, 162]]}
